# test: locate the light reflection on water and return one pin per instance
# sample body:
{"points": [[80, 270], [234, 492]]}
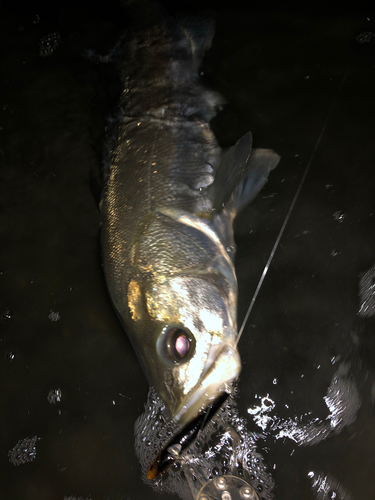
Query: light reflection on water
{"points": [[224, 447], [342, 401], [227, 447], [327, 487]]}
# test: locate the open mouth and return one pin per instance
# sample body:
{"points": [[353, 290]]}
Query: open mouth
{"points": [[175, 448]]}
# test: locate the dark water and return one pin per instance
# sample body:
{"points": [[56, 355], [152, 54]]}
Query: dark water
{"points": [[71, 387]]}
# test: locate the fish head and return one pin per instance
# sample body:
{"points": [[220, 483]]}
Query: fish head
{"points": [[189, 348]]}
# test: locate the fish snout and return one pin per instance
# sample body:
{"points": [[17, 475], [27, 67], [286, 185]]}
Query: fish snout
{"points": [[216, 380]]}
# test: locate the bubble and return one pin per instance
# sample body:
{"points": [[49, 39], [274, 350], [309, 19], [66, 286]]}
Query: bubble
{"points": [[54, 396], [53, 316], [24, 451], [10, 356], [48, 44], [339, 216], [365, 36], [7, 315]]}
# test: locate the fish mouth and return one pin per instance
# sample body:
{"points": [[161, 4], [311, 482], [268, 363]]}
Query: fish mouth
{"points": [[173, 450], [216, 381], [197, 408]]}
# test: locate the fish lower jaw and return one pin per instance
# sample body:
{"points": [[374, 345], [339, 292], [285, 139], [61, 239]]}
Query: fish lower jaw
{"points": [[216, 381]]}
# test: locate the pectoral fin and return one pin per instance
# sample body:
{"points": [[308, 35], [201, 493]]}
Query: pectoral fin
{"points": [[231, 169], [241, 175], [261, 162]]}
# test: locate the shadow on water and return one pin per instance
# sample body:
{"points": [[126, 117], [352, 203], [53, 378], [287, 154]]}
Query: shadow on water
{"points": [[71, 386]]}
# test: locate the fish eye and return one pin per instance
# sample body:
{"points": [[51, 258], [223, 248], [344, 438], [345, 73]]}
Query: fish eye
{"points": [[182, 345], [176, 344]]}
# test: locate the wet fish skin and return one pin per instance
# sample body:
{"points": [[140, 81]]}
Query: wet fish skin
{"points": [[168, 205]]}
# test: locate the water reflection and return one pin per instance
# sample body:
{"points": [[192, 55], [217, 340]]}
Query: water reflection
{"points": [[367, 294], [327, 487], [225, 447], [342, 401]]}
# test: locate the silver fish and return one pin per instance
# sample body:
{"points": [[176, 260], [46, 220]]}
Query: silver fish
{"points": [[170, 197]]}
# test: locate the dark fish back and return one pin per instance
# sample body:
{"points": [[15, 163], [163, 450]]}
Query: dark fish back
{"points": [[164, 153]]}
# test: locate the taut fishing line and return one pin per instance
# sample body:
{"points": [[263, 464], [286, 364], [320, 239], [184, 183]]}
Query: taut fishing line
{"points": [[287, 217]]}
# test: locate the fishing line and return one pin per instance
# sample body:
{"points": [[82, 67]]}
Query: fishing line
{"points": [[276, 244]]}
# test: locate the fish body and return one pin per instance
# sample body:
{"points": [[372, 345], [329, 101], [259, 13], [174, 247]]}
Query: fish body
{"points": [[170, 197]]}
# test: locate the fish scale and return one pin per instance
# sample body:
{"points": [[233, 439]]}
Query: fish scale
{"points": [[167, 247]]}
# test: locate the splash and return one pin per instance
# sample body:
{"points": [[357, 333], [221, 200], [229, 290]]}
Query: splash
{"points": [[224, 447], [327, 487], [342, 401], [367, 294], [24, 451], [261, 413]]}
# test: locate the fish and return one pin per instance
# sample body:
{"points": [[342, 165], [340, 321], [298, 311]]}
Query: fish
{"points": [[170, 197]]}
